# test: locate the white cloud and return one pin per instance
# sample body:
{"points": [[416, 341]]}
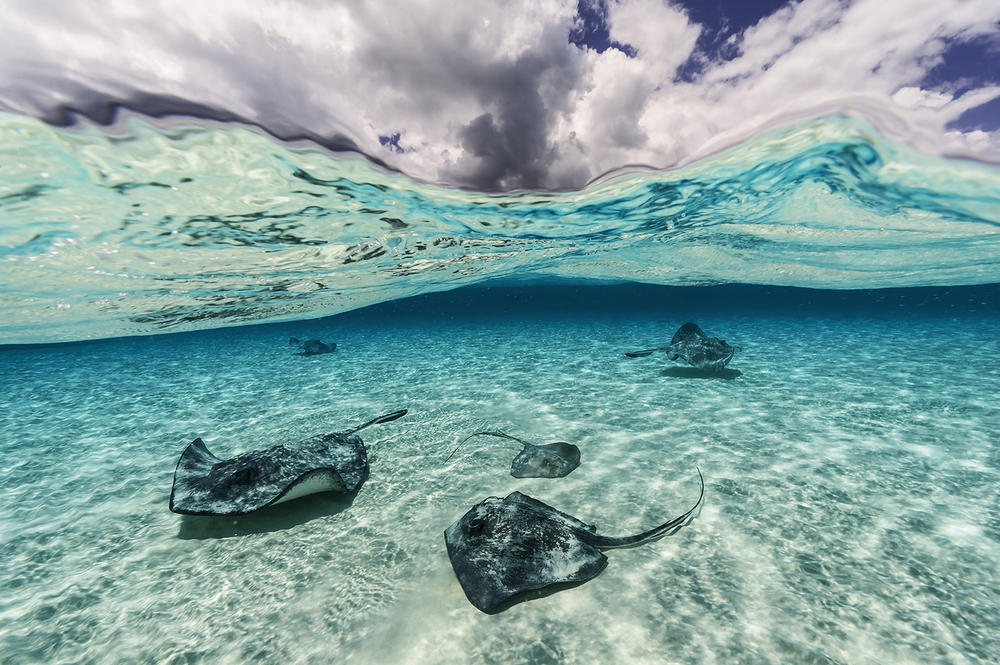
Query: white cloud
{"points": [[492, 94], [661, 34], [913, 97]]}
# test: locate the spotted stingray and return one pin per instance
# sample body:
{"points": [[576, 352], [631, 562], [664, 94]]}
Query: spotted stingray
{"points": [[550, 460], [696, 348], [206, 485], [503, 549]]}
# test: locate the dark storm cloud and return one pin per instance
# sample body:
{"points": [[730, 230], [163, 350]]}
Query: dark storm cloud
{"points": [[509, 145], [514, 102]]}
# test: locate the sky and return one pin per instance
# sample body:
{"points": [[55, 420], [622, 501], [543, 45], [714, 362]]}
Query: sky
{"points": [[523, 94]]}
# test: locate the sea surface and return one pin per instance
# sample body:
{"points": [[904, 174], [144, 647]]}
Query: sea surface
{"points": [[140, 228], [152, 274]]}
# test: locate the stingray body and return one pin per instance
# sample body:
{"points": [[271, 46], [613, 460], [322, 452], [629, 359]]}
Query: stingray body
{"points": [[312, 347], [503, 548], [550, 460], [696, 348], [206, 485]]}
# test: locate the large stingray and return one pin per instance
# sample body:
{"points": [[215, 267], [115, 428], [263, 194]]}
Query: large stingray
{"points": [[696, 348], [206, 485], [501, 549], [550, 460]]}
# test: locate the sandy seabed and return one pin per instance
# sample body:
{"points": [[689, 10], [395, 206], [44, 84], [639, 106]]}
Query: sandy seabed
{"points": [[851, 464]]}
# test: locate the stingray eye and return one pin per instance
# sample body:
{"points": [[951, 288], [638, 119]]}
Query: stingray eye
{"points": [[476, 525]]}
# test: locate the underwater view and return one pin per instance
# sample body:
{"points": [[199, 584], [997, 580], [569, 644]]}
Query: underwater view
{"points": [[535, 333], [848, 450]]}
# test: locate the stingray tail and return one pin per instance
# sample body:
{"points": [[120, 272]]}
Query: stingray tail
{"points": [[665, 529], [499, 434], [646, 352], [387, 418]]}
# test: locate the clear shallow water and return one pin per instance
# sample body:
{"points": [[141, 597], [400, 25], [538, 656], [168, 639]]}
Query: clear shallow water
{"points": [[155, 229], [850, 516]]}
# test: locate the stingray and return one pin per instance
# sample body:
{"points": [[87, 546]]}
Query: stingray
{"points": [[696, 348], [206, 485], [502, 549], [312, 347], [551, 460]]}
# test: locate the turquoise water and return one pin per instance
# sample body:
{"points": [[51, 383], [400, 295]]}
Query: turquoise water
{"points": [[850, 459], [850, 455], [149, 229]]}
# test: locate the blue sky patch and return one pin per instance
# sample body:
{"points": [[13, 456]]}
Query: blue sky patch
{"points": [[591, 30], [722, 22], [966, 65], [391, 141]]}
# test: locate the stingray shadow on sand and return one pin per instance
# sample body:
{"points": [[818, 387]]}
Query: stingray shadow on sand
{"points": [[273, 518], [726, 374]]}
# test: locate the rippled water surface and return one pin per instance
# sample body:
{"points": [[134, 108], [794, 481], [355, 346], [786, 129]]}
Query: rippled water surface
{"points": [[850, 459], [155, 229]]}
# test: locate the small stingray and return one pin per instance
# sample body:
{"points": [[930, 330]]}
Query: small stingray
{"points": [[696, 348], [312, 347], [501, 549], [206, 485], [551, 460]]}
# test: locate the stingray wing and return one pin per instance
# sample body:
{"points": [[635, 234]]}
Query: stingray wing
{"points": [[206, 485], [196, 462], [500, 549]]}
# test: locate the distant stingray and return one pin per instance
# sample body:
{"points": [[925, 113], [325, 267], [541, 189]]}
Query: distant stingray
{"points": [[206, 485], [502, 549], [696, 348], [551, 460], [312, 347]]}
